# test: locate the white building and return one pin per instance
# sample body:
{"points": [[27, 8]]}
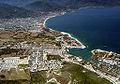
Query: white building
{"points": [[112, 62], [1, 61], [53, 51], [10, 62]]}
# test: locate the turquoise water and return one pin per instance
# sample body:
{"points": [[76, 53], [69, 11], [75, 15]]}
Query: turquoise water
{"points": [[94, 27]]}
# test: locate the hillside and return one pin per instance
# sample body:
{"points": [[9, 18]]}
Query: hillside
{"points": [[44, 6], [17, 2], [11, 11], [55, 5], [7, 11]]}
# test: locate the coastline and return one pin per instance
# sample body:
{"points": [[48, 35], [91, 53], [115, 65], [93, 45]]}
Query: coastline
{"points": [[82, 46], [49, 17], [89, 67]]}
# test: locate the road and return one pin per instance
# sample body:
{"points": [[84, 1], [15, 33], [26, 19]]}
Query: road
{"points": [[89, 67]]}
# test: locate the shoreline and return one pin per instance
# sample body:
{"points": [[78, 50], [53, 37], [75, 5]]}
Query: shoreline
{"points": [[109, 78], [82, 46], [49, 17]]}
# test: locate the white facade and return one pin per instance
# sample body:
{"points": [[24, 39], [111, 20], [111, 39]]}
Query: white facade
{"points": [[10, 62]]}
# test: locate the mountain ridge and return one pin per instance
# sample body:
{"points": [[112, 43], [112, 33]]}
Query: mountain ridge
{"points": [[25, 8], [8, 11], [70, 4], [19, 3], [44, 6]]}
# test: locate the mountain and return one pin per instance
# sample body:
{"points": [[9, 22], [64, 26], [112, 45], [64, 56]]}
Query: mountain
{"points": [[17, 2], [14, 8], [44, 6], [79, 3], [7, 11], [68, 2], [55, 5]]}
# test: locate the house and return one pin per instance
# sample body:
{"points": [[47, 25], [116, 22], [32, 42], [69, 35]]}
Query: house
{"points": [[10, 62], [53, 51]]}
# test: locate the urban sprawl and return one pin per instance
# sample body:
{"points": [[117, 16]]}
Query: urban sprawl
{"points": [[25, 44]]}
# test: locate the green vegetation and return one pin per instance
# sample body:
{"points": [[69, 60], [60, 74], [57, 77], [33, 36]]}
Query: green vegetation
{"points": [[51, 83], [63, 5], [23, 65], [34, 35], [64, 78], [38, 77], [58, 44], [14, 75], [1, 43], [14, 82], [20, 3], [10, 52], [7, 11], [44, 6], [21, 9], [21, 35], [6, 34], [54, 57], [80, 75]]}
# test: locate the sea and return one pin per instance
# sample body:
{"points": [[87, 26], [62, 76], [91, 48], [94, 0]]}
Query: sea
{"points": [[96, 28]]}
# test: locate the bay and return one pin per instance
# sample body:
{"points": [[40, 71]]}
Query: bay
{"points": [[97, 28]]}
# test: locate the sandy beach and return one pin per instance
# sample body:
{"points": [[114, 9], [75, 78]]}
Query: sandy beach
{"points": [[82, 46], [48, 17]]}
